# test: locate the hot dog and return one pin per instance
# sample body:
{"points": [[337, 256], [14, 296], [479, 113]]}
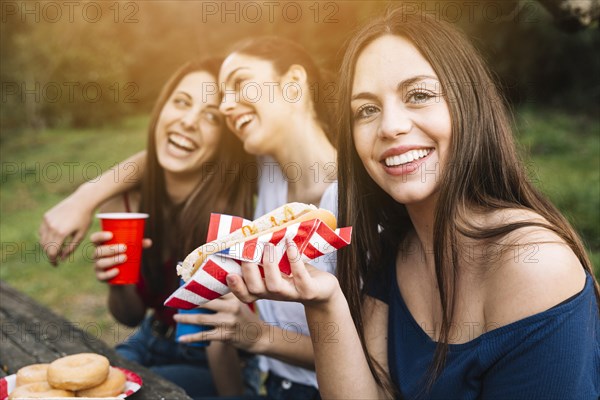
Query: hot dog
{"points": [[281, 217]]}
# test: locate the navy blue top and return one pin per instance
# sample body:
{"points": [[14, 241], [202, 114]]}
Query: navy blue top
{"points": [[551, 355]]}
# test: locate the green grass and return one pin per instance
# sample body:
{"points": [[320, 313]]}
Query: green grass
{"points": [[38, 170], [562, 154], [563, 158]]}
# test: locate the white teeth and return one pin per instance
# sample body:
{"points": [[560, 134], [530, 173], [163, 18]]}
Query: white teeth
{"points": [[243, 120], [182, 141], [407, 157]]}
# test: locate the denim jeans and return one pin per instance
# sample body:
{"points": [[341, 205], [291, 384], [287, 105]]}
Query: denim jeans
{"points": [[279, 388], [186, 366]]}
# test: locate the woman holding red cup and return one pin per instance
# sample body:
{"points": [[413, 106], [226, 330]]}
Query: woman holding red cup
{"points": [[188, 145]]}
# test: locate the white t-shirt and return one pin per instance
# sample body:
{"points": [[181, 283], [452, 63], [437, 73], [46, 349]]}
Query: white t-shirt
{"points": [[272, 193]]}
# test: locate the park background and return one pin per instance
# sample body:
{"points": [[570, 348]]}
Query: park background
{"points": [[79, 79]]}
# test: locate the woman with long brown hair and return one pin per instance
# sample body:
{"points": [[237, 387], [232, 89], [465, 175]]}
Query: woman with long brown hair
{"points": [[190, 171], [272, 100], [462, 280]]}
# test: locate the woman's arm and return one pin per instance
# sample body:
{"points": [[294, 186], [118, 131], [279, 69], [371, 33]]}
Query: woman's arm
{"points": [[124, 303], [239, 326], [64, 225], [288, 346], [225, 368], [341, 364], [342, 368], [375, 322]]}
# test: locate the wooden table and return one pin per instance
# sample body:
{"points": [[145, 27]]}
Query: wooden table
{"points": [[31, 333]]}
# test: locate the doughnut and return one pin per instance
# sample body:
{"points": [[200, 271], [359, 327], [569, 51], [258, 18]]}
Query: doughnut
{"points": [[112, 386], [32, 373], [78, 371], [38, 390]]}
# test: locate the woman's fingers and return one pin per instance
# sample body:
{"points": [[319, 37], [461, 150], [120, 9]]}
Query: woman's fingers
{"points": [[253, 279], [306, 284], [111, 261], [63, 227], [109, 250], [100, 237], [107, 256], [274, 285], [104, 275], [104, 267], [211, 334], [50, 240], [230, 319], [214, 323], [226, 304], [238, 286], [231, 332], [201, 319], [274, 282], [302, 279], [70, 246]]}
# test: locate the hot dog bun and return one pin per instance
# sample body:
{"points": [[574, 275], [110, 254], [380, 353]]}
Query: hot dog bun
{"points": [[281, 217]]}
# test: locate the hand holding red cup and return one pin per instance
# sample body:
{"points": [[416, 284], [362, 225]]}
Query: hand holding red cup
{"points": [[127, 229]]}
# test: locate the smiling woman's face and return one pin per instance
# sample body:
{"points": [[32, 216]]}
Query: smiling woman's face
{"points": [[254, 106], [189, 125], [401, 121]]}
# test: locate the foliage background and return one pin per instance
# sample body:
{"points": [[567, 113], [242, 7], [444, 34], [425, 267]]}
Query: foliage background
{"points": [[48, 55]]}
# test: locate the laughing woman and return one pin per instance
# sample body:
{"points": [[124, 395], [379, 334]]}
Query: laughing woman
{"points": [[185, 135], [270, 104], [288, 129], [462, 280]]}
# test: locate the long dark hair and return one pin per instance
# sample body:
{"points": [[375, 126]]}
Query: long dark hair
{"points": [[283, 53], [481, 132], [224, 186]]}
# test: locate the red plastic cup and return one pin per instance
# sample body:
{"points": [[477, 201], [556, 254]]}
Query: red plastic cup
{"points": [[127, 229]]}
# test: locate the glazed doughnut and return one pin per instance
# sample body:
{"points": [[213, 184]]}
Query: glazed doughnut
{"points": [[38, 390], [112, 386], [32, 373], [78, 371]]}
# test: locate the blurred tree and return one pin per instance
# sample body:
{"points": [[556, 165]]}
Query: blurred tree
{"points": [[536, 61], [129, 52], [574, 15], [66, 73]]}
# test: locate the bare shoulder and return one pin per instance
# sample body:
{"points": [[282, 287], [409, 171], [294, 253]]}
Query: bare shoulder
{"points": [[537, 271], [117, 203]]}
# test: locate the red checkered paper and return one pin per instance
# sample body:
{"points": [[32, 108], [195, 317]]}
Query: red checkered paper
{"points": [[313, 238]]}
